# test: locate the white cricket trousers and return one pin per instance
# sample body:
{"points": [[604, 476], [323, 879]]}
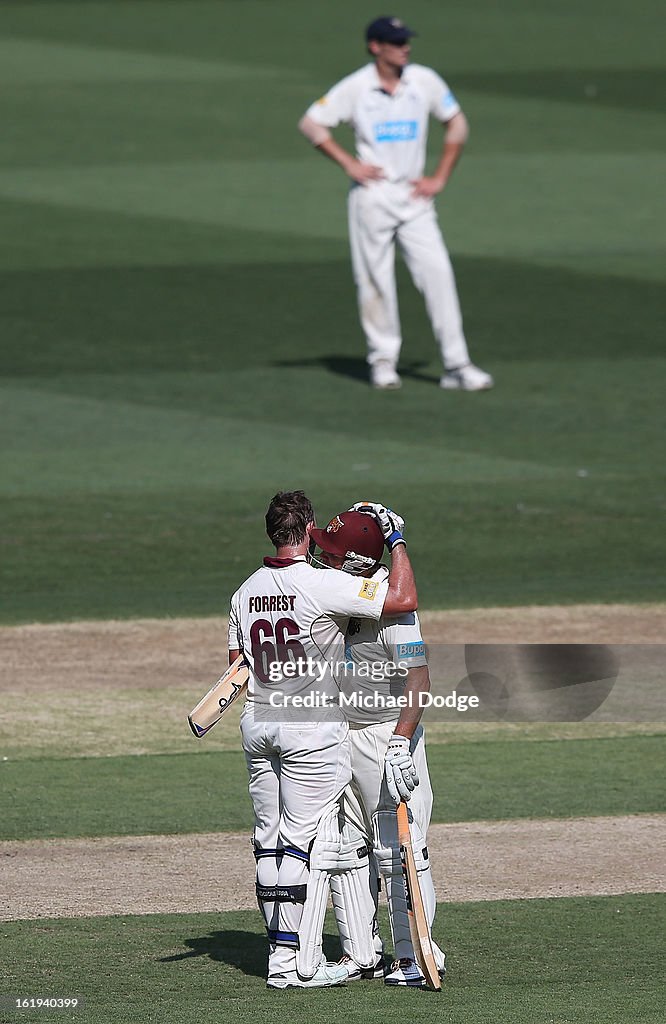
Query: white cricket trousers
{"points": [[370, 807], [297, 773], [379, 215]]}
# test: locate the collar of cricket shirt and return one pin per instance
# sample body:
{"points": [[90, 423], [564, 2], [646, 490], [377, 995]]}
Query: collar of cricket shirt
{"points": [[281, 563], [402, 82]]}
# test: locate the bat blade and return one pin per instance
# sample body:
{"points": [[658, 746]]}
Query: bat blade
{"points": [[419, 928], [219, 698]]}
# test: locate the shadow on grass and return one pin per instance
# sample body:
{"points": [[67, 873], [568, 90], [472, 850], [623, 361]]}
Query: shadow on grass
{"points": [[245, 950], [355, 367], [242, 949]]}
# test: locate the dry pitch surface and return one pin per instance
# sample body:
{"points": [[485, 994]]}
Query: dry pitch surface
{"points": [[101, 673]]}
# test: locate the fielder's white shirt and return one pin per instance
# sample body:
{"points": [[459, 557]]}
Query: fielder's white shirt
{"points": [[391, 129], [276, 615]]}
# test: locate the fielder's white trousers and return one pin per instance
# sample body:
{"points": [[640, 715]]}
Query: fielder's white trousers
{"points": [[297, 773], [381, 214]]}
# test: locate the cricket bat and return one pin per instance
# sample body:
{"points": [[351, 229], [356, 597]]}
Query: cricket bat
{"points": [[212, 706], [418, 923]]}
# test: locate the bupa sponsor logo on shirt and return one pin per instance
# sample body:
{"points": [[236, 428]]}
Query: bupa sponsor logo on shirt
{"points": [[396, 131], [414, 650], [368, 590]]}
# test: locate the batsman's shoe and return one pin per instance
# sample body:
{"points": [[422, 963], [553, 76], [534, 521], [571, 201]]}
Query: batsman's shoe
{"points": [[383, 376], [326, 975], [405, 972], [466, 378], [356, 973]]}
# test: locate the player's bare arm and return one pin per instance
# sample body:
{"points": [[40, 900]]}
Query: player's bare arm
{"points": [[456, 132], [402, 596], [322, 140], [417, 682]]}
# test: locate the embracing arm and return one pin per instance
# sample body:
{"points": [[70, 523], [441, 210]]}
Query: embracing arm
{"points": [[401, 596]]}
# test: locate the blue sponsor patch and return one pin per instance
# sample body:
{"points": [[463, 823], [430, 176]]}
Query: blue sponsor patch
{"points": [[416, 650], [396, 131]]}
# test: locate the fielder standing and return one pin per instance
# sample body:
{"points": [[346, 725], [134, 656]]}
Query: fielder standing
{"points": [[388, 103], [388, 757], [299, 764]]}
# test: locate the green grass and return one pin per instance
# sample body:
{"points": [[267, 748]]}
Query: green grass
{"points": [[207, 792], [184, 553], [560, 961], [179, 327]]}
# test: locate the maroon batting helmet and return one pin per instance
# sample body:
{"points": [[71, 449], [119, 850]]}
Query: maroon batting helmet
{"points": [[356, 537]]}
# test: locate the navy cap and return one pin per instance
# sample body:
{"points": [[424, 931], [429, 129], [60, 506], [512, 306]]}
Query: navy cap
{"points": [[388, 30]]}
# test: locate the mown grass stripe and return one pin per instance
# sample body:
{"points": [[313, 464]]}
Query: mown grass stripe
{"points": [[206, 792]]}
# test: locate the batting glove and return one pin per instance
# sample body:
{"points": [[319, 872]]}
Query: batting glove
{"points": [[399, 771], [390, 523]]}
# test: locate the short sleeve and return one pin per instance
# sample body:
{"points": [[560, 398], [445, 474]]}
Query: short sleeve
{"points": [[403, 639], [442, 103], [357, 596], [335, 107]]}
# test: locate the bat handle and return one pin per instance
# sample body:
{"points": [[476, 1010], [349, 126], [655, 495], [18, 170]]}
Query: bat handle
{"points": [[404, 835]]}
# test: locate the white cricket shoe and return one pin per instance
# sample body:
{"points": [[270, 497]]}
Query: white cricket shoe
{"points": [[383, 376], [356, 973], [326, 975], [466, 378], [405, 972]]}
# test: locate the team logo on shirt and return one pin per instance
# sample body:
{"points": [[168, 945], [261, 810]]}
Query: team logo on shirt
{"points": [[368, 590], [396, 131], [321, 101]]}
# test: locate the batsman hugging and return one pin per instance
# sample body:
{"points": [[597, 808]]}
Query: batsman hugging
{"points": [[335, 751], [332, 492]]}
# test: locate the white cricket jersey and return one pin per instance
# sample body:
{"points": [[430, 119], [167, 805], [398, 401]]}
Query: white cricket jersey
{"points": [[378, 655], [391, 129], [277, 613]]}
